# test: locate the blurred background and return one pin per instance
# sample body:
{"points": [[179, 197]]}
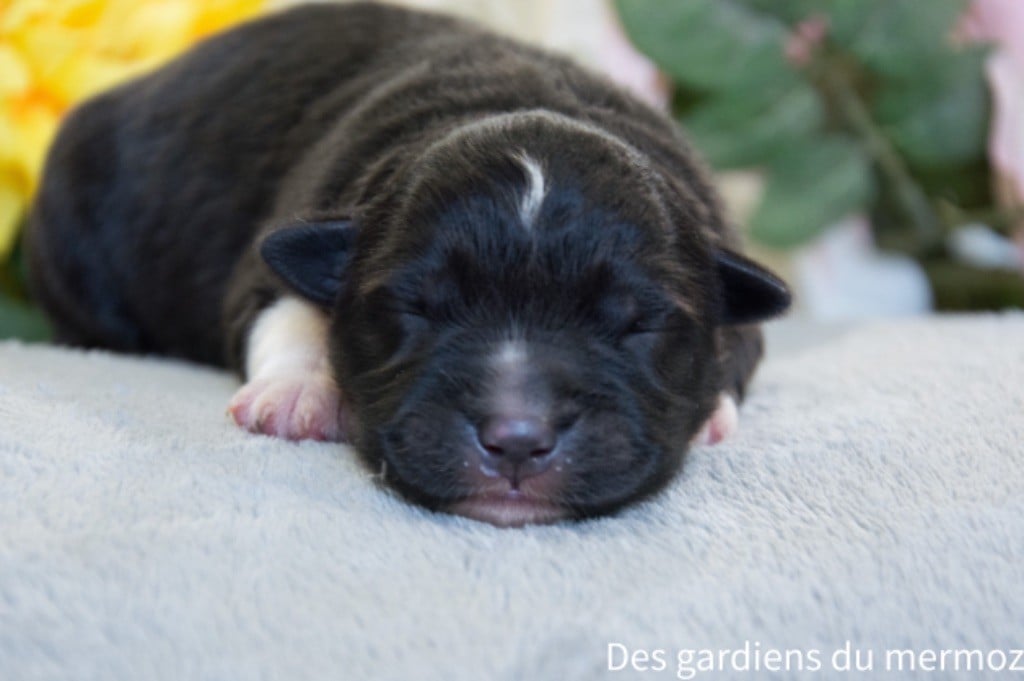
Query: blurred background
{"points": [[872, 151]]}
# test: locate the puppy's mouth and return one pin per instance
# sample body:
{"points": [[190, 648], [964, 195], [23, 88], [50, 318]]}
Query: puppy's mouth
{"points": [[509, 508]]}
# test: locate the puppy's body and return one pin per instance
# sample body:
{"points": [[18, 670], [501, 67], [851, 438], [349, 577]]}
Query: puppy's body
{"points": [[486, 247]]}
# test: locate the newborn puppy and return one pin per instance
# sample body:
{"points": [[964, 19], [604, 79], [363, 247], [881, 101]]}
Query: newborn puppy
{"points": [[504, 280]]}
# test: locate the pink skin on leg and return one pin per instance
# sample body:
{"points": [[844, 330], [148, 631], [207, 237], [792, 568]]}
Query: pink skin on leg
{"points": [[722, 423], [301, 406], [291, 392]]}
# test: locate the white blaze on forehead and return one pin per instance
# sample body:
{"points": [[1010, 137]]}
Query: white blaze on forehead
{"points": [[531, 202], [510, 354], [289, 335]]}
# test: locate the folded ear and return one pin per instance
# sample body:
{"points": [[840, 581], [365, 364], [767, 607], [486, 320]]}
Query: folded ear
{"points": [[311, 257], [750, 293]]}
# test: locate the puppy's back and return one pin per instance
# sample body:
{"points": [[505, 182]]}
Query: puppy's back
{"points": [[155, 190], [152, 190]]}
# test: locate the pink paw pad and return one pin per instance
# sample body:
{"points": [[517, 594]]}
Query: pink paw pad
{"points": [[722, 423], [301, 406]]}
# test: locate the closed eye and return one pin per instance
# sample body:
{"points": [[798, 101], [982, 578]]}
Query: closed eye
{"points": [[641, 328], [660, 320], [654, 320]]}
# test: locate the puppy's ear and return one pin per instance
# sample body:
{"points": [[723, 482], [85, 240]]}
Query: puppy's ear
{"points": [[311, 257], [750, 293]]}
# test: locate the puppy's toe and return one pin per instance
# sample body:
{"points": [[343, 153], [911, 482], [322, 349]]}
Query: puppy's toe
{"points": [[722, 423], [302, 406]]}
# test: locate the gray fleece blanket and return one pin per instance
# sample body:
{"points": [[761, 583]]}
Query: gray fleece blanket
{"points": [[870, 511]]}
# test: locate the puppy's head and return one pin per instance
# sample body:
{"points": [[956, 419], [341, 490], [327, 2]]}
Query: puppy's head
{"points": [[523, 327]]}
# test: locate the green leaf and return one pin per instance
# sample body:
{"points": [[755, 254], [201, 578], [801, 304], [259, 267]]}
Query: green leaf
{"points": [[809, 187], [710, 45], [899, 38], [18, 320], [13, 272], [747, 128], [789, 11], [967, 186], [961, 287], [940, 117]]}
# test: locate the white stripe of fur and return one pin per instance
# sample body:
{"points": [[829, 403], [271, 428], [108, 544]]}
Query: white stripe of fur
{"points": [[288, 336], [534, 197], [510, 354]]}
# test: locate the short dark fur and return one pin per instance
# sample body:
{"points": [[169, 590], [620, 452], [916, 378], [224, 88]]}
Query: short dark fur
{"points": [[395, 136]]}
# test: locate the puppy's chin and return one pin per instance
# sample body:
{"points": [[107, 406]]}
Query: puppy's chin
{"points": [[509, 509]]}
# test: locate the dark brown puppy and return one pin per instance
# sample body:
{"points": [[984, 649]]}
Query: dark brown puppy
{"points": [[516, 274]]}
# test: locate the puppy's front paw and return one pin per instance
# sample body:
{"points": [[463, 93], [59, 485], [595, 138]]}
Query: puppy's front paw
{"points": [[295, 406], [722, 423]]}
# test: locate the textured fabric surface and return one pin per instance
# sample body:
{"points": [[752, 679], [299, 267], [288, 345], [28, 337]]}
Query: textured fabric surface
{"points": [[874, 494]]}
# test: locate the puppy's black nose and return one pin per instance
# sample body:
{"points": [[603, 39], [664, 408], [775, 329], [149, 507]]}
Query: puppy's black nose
{"points": [[518, 447]]}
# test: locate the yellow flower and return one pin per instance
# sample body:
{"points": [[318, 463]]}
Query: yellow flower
{"points": [[54, 53]]}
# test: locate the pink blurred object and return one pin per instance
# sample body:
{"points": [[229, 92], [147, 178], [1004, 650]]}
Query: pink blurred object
{"points": [[627, 67], [805, 39], [1001, 22], [588, 30]]}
